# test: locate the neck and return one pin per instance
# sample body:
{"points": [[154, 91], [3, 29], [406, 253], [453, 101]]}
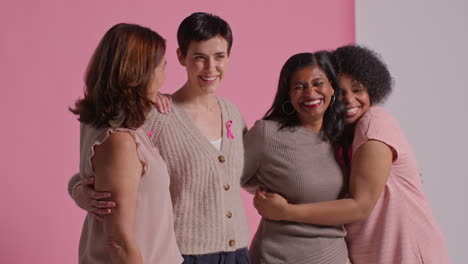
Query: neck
{"points": [[195, 97], [313, 125]]}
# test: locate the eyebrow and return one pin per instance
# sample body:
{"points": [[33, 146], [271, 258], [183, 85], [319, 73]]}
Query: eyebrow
{"points": [[316, 79], [203, 54]]}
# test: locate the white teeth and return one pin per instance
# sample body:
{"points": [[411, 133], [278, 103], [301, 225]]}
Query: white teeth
{"points": [[352, 110], [209, 78], [312, 102]]}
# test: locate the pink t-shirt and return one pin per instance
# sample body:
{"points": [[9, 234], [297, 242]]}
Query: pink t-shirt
{"points": [[401, 229]]}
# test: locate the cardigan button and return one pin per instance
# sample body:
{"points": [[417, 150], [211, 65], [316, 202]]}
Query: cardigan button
{"points": [[228, 214], [221, 159], [226, 187], [232, 243]]}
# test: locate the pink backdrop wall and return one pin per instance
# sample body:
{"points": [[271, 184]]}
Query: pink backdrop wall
{"points": [[44, 49]]}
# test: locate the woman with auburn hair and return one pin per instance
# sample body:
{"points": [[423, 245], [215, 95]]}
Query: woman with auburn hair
{"points": [[201, 141], [122, 81]]}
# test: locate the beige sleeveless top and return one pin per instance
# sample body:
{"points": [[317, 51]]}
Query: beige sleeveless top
{"points": [[154, 223]]}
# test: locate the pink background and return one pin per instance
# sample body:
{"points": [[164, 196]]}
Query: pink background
{"points": [[44, 49]]}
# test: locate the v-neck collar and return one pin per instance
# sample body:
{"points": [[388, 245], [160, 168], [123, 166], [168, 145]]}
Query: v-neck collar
{"points": [[193, 130]]}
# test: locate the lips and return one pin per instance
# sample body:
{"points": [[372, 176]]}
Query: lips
{"points": [[313, 103], [351, 111], [209, 78]]}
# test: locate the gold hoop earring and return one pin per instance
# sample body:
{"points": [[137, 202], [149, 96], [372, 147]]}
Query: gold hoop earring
{"points": [[288, 112]]}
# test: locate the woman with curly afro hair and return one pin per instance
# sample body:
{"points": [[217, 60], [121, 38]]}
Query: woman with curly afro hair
{"points": [[389, 219]]}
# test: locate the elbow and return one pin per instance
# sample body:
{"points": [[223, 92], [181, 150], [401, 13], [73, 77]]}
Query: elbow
{"points": [[362, 212], [122, 250], [249, 185], [117, 245]]}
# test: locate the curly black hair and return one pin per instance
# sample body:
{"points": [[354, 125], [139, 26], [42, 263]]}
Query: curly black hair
{"points": [[366, 67]]}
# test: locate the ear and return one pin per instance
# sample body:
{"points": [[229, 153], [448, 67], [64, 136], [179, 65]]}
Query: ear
{"points": [[180, 57]]}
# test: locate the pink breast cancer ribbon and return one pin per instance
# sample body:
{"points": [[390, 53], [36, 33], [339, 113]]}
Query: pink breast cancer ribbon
{"points": [[150, 134], [230, 135]]}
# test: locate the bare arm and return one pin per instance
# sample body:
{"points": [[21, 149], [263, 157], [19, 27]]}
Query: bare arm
{"points": [[370, 168], [118, 170]]}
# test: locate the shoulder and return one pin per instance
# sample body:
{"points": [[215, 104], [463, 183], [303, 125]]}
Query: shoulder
{"points": [[120, 142], [229, 106], [264, 127], [155, 120], [377, 113]]}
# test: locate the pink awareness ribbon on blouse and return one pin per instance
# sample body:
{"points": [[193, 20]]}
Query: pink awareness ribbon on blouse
{"points": [[230, 135], [150, 134]]}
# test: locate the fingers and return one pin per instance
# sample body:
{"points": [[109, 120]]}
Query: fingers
{"points": [[159, 105], [87, 181], [166, 104], [97, 217], [92, 194], [100, 212], [260, 194], [163, 103], [104, 204]]}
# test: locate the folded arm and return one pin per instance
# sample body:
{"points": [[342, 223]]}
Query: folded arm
{"points": [[370, 169]]}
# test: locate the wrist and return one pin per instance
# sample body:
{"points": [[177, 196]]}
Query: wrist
{"points": [[287, 212]]}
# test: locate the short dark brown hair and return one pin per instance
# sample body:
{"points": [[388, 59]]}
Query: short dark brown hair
{"points": [[202, 26], [118, 77]]}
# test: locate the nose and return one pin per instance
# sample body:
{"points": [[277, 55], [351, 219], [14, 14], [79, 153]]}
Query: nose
{"points": [[310, 90], [347, 98], [209, 63]]}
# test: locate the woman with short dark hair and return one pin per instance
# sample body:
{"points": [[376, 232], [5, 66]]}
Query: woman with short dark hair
{"points": [[201, 141]]}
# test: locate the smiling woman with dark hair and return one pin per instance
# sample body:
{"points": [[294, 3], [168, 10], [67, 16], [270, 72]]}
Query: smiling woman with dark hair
{"points": [[389, 218], [290, 153]]}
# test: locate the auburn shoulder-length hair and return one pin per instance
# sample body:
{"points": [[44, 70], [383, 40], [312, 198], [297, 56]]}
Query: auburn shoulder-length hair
{"points": [[118, 77]]}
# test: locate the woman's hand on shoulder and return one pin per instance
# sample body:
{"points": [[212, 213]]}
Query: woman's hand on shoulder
{"points": [[90, 200], [163, 103]]}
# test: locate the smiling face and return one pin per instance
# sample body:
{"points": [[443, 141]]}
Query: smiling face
{"points": [[355, 98], [310, 93], [206, 63]]}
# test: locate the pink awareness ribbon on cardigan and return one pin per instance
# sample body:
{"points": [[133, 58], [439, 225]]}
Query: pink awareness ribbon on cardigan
{"points": [[150, 134], [230, 135]]}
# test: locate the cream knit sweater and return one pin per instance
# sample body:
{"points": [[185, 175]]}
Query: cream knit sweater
{"points": [[209, 215]]}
